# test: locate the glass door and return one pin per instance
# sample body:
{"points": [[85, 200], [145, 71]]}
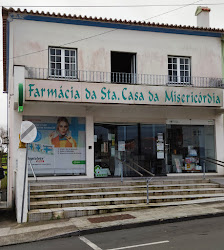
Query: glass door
{"points": [[117, 145]]}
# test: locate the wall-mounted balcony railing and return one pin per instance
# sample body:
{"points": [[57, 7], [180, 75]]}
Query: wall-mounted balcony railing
{"points": [[123, 78]]}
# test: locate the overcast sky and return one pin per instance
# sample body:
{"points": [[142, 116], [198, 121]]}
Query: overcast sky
{"points": [[178, 12]]}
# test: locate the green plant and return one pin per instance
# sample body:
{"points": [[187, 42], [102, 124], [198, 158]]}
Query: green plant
{"points": [[4, 183]]}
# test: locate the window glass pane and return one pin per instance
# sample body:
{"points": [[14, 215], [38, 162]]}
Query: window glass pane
{"points": [[169, 60], [73, 59], [58, 72], [170, 72], [187, 79], [174, 79], [52, 51], [73, 67], [72, 52], [58, 59], [181, 79], [182, 67], [58, 66], [58, 52], [187, 61], [169, 66], [66, 66], [186, 73], [66, 52], [67, 59], [181, 73], [174, 66], [174, 60], [186, 67], [175, 73], [52, 65], [181, 60], [52, 58]]}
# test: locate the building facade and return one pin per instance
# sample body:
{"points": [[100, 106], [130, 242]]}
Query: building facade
{"points": [[111, 96]]}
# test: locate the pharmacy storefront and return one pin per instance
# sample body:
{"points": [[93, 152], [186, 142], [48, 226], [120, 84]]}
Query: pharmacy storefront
{"points": [[151, 129]]}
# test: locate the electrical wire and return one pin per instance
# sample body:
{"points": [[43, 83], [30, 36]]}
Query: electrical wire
{"points": [[86, 38]]}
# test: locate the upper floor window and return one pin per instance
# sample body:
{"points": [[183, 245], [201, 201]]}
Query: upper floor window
{"points": [[123, 67], [179, 69], [63, 62]]}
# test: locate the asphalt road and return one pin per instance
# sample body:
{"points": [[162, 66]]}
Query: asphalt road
{"points": [[206, 234]]}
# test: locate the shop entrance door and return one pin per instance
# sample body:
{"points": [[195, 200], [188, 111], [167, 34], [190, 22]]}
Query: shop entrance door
{"points": [[133, 144]]}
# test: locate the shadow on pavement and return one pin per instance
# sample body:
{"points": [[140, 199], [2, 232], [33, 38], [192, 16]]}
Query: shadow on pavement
{"points": [[7, 217]]}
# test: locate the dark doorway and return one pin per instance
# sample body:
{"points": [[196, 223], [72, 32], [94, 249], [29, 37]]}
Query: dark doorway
{"points": [[123, 67]]}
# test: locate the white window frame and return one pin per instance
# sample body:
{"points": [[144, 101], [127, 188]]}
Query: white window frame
{"points": [[62, 62], [180, 79]]}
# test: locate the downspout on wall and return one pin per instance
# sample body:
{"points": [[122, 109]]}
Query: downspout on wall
{"points": [[222, 45]]}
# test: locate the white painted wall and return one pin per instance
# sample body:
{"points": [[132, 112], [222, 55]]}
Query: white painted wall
{"points": [[219, 141], [94, 54], [20, 172]]}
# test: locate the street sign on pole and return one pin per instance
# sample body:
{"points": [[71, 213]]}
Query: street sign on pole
{"points": [[28, 135], [28, 132]]}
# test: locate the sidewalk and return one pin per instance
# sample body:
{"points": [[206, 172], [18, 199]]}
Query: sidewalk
{"points": [[13, 233]]}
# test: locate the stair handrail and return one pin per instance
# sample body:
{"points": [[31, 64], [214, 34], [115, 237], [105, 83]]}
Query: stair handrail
{"points": [[215, 160], [147, 185], [31, 166], [136, 164], [211, 160], [125, 163]]}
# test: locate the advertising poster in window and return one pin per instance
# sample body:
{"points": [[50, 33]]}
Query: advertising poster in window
{"points": [[59, 147]]}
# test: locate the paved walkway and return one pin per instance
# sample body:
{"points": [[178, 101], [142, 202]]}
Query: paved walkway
{"points": [[13, 233]]}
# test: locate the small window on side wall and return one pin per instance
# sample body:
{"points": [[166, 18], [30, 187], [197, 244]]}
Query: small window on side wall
{"points": [[62, 63], [179, 70]]}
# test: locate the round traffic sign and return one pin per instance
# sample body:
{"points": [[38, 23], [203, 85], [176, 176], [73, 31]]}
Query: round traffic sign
{"points": [[28, 132]]}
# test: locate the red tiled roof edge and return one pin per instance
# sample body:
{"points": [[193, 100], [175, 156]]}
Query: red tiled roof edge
{"points": [[6, 12], [100, 19]]}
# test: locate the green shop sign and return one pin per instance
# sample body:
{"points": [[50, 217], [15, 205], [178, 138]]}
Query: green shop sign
{"points": [[123, 94]]}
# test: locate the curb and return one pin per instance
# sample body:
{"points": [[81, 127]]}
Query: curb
{"points": [[149, 223], [137, 224], [106, 229]]}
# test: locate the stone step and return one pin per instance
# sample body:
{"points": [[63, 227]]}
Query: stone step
{"points": [[116, 201], [67, 190], [70, 212], [60, 185], [96, 195]]}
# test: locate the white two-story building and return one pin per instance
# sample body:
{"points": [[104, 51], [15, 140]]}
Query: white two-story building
{"points": [[109, 94]]}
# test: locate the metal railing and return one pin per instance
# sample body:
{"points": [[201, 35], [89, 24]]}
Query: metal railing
{"points": [[137, 165], [129, 166], [31, 166], [147, 192], [211, 160], [123, 78], [147, 180]]}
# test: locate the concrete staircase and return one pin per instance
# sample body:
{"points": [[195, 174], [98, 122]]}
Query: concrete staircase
{"points": [[65, 200]]}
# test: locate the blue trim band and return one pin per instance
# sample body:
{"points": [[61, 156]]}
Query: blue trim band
{"points": [[120, 26], [7, 55]]}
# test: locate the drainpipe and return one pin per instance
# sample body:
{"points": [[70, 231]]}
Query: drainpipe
{"points": [[222, 45]]}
